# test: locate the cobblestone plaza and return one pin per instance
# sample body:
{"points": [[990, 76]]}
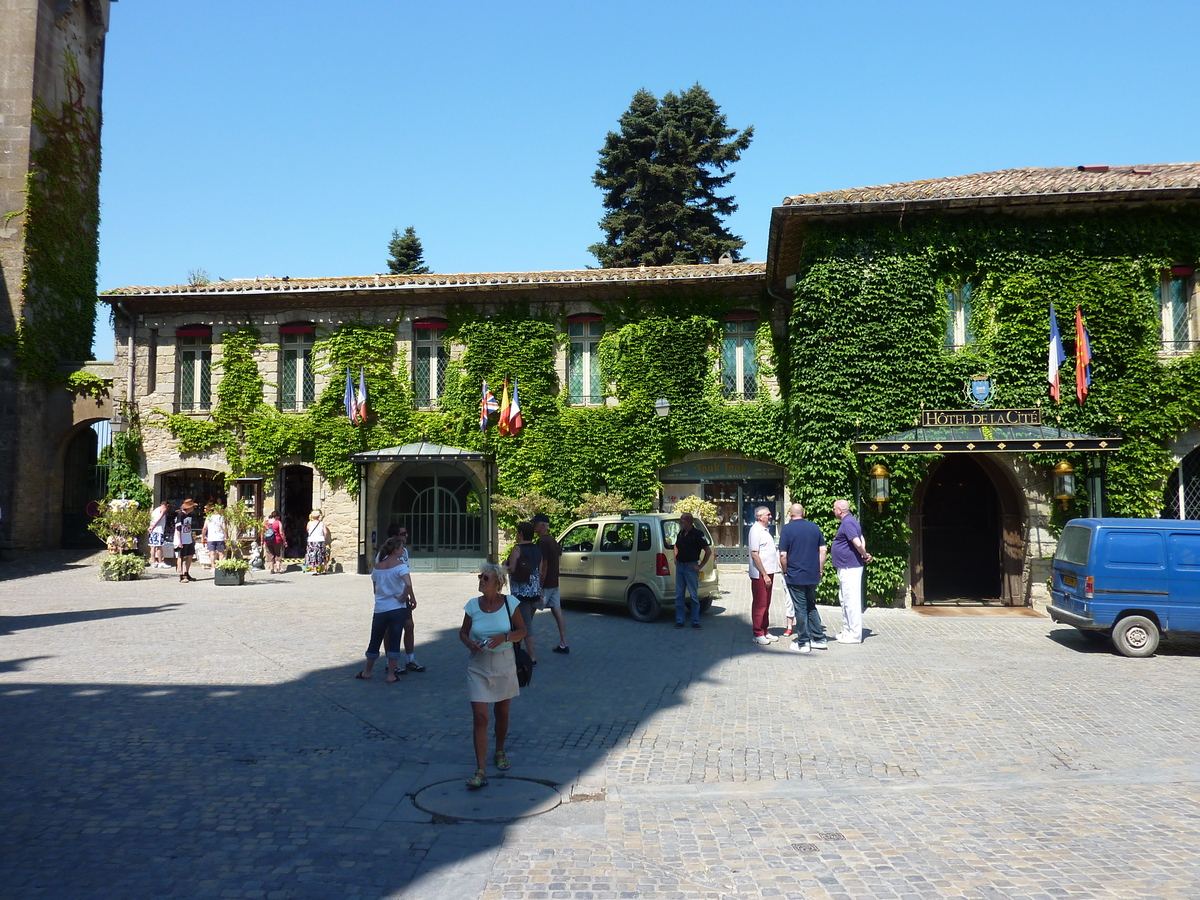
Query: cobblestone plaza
{"points": [[165, 740]]}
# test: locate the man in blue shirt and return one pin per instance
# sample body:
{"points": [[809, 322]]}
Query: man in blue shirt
{"points": [[802, 553], [849, 556]]}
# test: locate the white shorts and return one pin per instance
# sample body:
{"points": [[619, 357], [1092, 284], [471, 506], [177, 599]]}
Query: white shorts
{"points": [[550, 598]]}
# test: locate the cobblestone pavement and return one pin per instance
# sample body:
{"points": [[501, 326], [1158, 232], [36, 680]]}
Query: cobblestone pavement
{"points": [[163, 740]]}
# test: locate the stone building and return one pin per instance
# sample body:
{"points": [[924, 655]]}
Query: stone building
{"points": [[51, 59], [440, 492], [825, 347]]}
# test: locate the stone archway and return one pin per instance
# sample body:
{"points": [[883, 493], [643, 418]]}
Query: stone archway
{"points": [[442, 506], [968, 527]]}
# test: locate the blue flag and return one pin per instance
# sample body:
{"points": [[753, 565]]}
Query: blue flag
{"points": [[351, 406]]}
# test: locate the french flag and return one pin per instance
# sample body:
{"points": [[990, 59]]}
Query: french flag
{"points": [[361, 408], [1057, 357], [515, 422]]}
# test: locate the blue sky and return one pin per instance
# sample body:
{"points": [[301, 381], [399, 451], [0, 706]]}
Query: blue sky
{"points": [[290, 138]]}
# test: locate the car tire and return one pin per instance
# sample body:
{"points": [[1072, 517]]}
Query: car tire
{"points": [[643, 605], [1135, 636]]}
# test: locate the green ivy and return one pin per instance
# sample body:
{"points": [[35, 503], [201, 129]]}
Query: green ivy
{"points": [[61, 230], [87, 384], [866, 348]]}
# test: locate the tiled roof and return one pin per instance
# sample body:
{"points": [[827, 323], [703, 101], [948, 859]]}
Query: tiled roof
{"points": [[477, 280], [1018, 183]]}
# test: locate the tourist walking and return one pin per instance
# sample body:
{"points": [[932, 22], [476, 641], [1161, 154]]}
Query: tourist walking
{"points": [[802, 553], [551, 599], [184, 540], [690, 543], [213, 534], [764, 566], [410, 664], [392, 598], [491, 623], [316, 557], [525, 570], [272, 542], [159, 521], [849, 555]]}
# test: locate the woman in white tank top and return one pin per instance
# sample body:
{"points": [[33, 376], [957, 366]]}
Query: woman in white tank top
{"points": [[393, 592]]}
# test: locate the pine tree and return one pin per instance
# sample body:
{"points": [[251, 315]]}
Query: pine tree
{"points": [[407, 256], [660, 175]]}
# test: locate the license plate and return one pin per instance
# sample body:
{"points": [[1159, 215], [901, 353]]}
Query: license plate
{"points": [[1069, 579]]}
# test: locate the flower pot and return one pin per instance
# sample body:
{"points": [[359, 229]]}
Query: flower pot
{"points": [[223, 577]]}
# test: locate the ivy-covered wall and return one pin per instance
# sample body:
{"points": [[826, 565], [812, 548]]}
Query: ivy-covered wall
{"points": [[866, 346]]}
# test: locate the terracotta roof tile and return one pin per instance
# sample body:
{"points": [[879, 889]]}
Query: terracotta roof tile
{"points": [[438, 281], [1017, 183]]}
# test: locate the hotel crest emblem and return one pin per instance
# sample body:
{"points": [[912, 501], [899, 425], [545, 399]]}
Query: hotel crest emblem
{"points": [[980, 391]]}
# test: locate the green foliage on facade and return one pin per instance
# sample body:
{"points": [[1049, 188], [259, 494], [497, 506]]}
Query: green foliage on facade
{"points": [[867, 348], [61, 230], [124, 460], [87, 384], [661, 174]]}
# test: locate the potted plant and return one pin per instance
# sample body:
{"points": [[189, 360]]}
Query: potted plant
{"points": [[122, 567], [230, 571]]}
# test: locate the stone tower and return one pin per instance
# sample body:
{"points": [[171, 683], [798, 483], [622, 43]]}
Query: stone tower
{"points": [[51, 74]]}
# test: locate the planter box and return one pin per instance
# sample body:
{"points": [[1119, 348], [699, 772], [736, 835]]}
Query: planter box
{"points": [[220, 576]]}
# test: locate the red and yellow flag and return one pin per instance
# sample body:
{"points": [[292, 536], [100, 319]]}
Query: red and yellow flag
{"points": [[503, 425]]}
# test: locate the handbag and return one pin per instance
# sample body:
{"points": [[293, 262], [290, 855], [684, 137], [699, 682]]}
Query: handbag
{"points": [[523, 660]]}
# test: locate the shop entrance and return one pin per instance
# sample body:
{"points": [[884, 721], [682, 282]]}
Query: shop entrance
{"points": [[440, 506], [295, 491], [961, 533]]}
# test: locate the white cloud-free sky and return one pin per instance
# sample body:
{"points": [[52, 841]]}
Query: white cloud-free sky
{"points": [[290, 138]]}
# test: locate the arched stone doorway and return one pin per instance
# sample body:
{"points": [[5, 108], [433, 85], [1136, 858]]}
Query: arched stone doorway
{"points": [[85, 481], [441, 505], [968, 533]]}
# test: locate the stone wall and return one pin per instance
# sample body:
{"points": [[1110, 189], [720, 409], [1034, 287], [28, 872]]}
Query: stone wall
{"points": [[36, 421]]}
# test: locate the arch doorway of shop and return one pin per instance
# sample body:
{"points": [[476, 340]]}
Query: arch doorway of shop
{"points": [[441, 506], [968, 534], [85, 483]]}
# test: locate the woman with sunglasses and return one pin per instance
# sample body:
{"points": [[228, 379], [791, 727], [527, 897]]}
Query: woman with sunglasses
{"points": [[491, 624]]}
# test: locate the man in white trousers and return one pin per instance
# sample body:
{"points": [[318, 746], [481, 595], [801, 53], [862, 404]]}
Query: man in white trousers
{"points": [[849, 555]]}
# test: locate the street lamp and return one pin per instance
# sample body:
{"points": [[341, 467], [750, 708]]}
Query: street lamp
{"points": [[881, 485], [662, 407], [1064, 482]]}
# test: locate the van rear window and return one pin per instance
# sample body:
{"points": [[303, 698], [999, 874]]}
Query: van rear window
{"points": [[1074, 544]]}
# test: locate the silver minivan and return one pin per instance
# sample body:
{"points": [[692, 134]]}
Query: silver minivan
{"points": [[629, 559]]}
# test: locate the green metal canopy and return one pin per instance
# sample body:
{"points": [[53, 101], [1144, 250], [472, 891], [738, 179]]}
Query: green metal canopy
{"points": [[989, 439]]}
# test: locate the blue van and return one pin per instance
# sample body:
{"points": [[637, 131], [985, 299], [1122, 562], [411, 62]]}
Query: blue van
{"points": [[1129, 579]]}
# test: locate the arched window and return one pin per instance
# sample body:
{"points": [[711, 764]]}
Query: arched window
{"points": [[429, 360], [1181, 498], [739, 356], [297, 384], [1174, 295], [195, 367], [583, 363]]}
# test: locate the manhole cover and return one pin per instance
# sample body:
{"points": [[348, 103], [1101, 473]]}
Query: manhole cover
{"points": [[505, 798]]}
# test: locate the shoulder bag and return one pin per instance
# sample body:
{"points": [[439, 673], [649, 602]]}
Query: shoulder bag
{"points": [[524, 662]]}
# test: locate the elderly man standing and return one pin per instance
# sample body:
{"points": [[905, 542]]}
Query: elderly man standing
{"points": [[689, 544], [764, 566], [849, 556], [802, 553]]}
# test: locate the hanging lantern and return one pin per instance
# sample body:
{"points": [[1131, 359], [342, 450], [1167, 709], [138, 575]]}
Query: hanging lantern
{"points": [[1064, 483], [881, 485]]}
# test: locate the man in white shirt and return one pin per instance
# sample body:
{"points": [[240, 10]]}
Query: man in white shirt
{"points": [[764, 565]]}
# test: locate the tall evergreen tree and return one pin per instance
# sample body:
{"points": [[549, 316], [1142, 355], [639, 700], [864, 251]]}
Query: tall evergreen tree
{"points": [[406, 256], [660, 175]]}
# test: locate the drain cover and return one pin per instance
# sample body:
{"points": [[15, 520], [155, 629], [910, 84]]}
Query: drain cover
{"points": [[503, 799]]}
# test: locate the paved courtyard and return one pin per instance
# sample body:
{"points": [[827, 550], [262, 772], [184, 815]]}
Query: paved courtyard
{"points": [[162, 740]]}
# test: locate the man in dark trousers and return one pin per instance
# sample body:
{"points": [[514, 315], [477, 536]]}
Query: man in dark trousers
{"points": [[802, 553], [689, 544], [550, 596]]}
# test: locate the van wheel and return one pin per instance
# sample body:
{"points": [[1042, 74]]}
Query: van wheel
{"points": [[1135, 636], [643, 605]]}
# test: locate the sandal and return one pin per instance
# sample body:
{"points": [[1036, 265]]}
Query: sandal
{"points": [[502, 762], [478, 780], [361, 677]]}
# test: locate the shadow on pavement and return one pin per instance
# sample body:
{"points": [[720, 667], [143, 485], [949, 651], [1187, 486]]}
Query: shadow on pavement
{"points": [[47, 562], [1095, 642], [303, 789], [11, 624]]}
